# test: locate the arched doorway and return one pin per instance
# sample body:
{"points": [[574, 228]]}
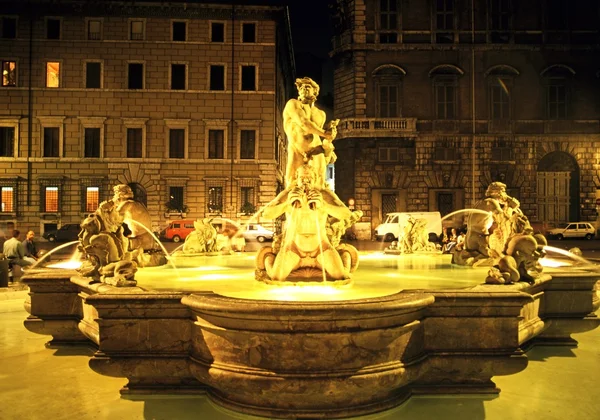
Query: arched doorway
{"points": [[558, 188], [139, 193]]}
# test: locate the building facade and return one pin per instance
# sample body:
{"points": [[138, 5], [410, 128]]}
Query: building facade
{"points": [[180, 100], [439, 98]]}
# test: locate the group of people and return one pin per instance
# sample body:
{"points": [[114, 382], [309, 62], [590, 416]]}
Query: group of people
{"points": [[22, 253], [452, 240]]}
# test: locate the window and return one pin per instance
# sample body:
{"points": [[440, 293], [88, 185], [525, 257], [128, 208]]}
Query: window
{"points": [[557, 14], [215, 199], [216, 144], [176, 202], [51, 142], [445, 98], [177, 143], [444, 21], [556, 94], [94, 29], [217, 32], [400, 151], [557, 79], [388, 83], [500, 21], [446, 150], [7, 197], [499, 98], [217, 77], [388, 15], [179, 31], [53, 28], [92, 199], [9, 73], [135, 76], [248, 78], [134, 142], [93, 75], [9, 27], [52, 74], [91, 142], [388, 154], [178, 76], [501, 151], [136, 30], [50, 199], [7, 141], [248, 32], [247, 204], [247, 144]]}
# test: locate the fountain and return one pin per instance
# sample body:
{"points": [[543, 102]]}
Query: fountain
{"points": [[307, 340]]}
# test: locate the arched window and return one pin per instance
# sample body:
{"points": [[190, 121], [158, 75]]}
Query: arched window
{"points": [[388, 90], [445, 89], [500, 81], [556, 80]]}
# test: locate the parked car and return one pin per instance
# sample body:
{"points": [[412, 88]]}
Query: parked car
{"points": [[177, 230], [254, 232], [572, 230], [67, 233]]}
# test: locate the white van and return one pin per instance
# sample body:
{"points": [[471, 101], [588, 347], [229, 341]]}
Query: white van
{"points": [[394, 224]]}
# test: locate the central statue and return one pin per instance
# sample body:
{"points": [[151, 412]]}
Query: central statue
{"points": [[308, 248]]}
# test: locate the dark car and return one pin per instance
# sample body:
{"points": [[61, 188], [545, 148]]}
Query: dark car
{"points": [[67, 233]]}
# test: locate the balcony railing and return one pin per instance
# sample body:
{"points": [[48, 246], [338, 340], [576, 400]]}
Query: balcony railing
{"points": [[376, 127]]}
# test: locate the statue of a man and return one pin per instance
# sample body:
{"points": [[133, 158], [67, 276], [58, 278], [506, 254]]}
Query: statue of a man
{"points": [[303, 123]]}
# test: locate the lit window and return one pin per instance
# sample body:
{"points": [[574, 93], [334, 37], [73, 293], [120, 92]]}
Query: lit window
{"points": [[52, 74], [7, 203], [94, 30], [136, 31], [51, 200], [92, 199], [9, 73]]}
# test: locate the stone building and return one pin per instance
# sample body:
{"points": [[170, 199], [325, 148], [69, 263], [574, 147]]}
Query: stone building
{"points": [[438, 99], [180, 100]]}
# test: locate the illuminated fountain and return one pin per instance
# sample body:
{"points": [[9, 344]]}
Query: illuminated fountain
{"points": [[306, 340]]}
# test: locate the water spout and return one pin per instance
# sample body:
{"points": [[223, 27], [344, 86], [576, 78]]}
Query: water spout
{"points": [[75, 257]]}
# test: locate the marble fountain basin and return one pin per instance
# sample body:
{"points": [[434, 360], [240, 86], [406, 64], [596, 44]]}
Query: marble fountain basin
{"points": [[408, 325]]}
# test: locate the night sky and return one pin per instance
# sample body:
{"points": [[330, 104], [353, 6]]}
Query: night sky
{"points": [[311, 34]]}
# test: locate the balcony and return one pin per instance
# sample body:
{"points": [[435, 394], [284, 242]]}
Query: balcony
{"points": [[377, 127]]}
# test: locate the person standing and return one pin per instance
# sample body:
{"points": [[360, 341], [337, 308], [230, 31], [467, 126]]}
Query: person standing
{"points": [[15, 251], [30, 249]]}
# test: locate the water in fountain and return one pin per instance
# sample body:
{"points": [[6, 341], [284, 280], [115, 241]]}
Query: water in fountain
{"points": [[74, 262]]}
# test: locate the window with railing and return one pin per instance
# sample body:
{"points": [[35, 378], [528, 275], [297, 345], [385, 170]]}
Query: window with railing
{"points": [[215, 199], [92, 199], [7, 197], [247, 203], [50, 197]]}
